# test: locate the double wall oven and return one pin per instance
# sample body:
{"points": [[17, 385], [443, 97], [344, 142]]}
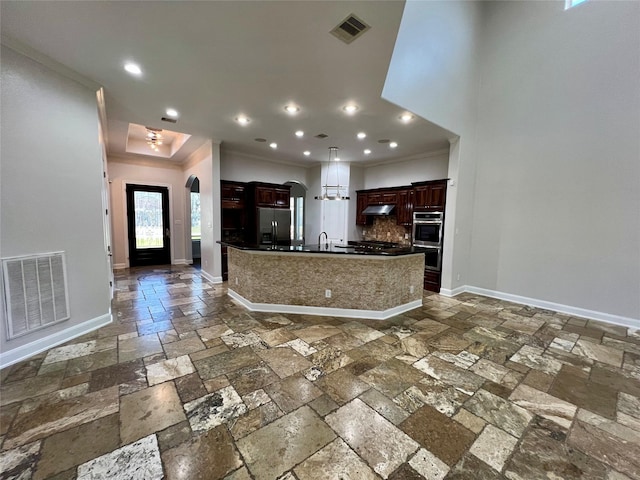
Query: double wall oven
{"points": [[427, 234]]}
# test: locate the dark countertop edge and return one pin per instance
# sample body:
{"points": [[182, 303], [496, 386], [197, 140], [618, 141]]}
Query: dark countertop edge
{"points": [[390, 252]]}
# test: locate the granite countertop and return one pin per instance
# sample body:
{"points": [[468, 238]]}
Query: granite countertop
{"points": [[331, 248]]}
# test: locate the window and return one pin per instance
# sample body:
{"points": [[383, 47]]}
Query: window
{"points": [[572, 3], [195, 216]]}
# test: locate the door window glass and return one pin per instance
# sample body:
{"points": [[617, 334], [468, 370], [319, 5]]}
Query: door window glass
{"points": [[148, 216]]}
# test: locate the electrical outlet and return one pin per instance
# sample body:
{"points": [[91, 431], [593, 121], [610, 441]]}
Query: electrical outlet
{"points": [[327, 293], [406, 236], [236, 280], [458, 277], [411, 289]]}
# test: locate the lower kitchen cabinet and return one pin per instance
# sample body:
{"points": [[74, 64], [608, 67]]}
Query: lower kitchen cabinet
{"points": [[432, 281]]}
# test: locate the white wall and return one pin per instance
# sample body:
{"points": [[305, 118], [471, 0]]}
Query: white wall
{"points": [[137, 170], [204, 163], [557, 196], [51, 191], [433, 72], [356, 182], [432, 166], [247, 168], [547, 168]]}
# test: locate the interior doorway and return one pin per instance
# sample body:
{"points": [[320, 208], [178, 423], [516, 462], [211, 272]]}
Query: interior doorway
{"points": [[297, 206], [193, 184], [148, 225]]}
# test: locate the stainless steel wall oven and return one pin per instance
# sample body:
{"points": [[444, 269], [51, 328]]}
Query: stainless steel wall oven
{"points": [[427, 234]]}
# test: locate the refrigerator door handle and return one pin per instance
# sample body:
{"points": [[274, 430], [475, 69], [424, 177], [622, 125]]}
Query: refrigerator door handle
{"points": [[275, 232]]}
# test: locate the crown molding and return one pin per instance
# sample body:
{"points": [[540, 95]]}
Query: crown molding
{"points": [[417, 156], [48, 62]]}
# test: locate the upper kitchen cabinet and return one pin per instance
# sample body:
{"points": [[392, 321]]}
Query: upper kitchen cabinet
{"points": [[382, 198], [404, 207], [232, 194], [430, 195], [270, 195], [362, 203]]}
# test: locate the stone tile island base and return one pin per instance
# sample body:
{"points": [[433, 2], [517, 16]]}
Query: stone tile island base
{"points": [[362, 286]]}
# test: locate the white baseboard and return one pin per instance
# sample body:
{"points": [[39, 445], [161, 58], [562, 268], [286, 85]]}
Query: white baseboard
{"points": [[210, 277], [335, 312], [37, 346], [452, 293], [119, 266], [181, 261], [556, 307]]}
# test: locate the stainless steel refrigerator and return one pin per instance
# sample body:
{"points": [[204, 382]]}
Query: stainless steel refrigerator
{"points": [[274, 226]]}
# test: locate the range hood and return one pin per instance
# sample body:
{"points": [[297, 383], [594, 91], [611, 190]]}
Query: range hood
{"points": [[378, 210]]}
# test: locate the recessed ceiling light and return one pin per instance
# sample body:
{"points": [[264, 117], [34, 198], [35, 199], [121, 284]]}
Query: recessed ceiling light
{"points": [[306, 153], [350, 109], [299, 133], [172, 112], [362, 135], [273, 145], [132, 68], [406, 117], [242, 120], [291, 109], [367, 151], [393, 145]]}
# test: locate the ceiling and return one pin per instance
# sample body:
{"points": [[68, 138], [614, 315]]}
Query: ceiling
{"points": [[215, 60]]}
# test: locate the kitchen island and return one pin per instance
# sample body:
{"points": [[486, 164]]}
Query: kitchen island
{"points": [[334, 280]]}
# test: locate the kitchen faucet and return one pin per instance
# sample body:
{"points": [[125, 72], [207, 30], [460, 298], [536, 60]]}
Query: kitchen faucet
{"points": [[326, 239]]}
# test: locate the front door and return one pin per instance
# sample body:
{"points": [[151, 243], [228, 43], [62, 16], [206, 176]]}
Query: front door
{"points": [[148, 221]]}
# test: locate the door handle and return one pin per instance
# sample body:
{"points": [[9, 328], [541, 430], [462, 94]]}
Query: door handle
{"points": [[275, 232], [167, 232]]}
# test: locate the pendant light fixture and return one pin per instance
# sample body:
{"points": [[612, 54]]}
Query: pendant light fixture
{"points": [[332, 192]]}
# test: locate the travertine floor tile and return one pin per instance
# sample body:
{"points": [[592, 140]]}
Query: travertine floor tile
{"points": [[446, 439], [214, 409], [493, 447], [207, 456], [336, 460], [460, 388], [136, 461], [295, 437], [383, 446], [149, 410]]}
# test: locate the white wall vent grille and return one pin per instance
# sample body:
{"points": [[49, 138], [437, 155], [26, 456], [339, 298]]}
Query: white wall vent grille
{"points": [[35, 292]]}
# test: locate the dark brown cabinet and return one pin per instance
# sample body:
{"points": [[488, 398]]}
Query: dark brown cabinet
{"points": [[430, 195], [432, 281], [233, 218], [362, 203], [272, 196], [404, 207], [239, 203], [232, 194]]}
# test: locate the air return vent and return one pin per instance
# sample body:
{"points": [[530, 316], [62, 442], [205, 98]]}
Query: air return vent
{"points": [[167, 119], [350, 28], [322, 135], [35, 292]]}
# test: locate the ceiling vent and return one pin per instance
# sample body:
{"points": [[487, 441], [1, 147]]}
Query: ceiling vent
{"points": [[350, 28], [322, 135], [167, 119]]}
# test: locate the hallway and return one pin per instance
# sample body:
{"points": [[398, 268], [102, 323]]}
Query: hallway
{"points": [[187, 384]]}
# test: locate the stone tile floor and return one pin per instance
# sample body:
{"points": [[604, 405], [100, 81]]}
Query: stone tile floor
{"points": [[187, 384]]}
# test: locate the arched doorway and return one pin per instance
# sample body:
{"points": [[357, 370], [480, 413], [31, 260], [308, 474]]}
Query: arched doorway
{"points": [[193, 184]]}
